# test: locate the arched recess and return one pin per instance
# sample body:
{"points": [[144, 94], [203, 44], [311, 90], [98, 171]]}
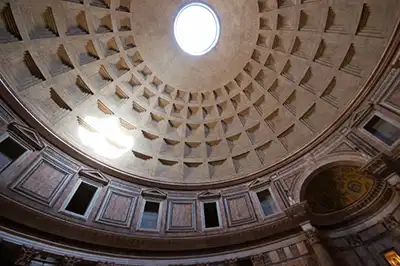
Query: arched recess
{"points": [[322, 164], [338, 192]]}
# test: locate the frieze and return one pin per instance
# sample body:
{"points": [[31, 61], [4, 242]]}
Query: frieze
{"points": [[107, 238]]}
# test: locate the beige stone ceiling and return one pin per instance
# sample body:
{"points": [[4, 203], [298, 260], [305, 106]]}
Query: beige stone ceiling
{"points": [[282, 71]]}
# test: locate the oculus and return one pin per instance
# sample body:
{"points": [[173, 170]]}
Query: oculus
{"points": [[196, 29]]}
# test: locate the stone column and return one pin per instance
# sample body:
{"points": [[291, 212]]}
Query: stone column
{"points": [[392, 225], [26, 256], [313, 239]]}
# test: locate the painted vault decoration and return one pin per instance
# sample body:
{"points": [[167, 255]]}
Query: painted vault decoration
{"points": [[337, 188]]}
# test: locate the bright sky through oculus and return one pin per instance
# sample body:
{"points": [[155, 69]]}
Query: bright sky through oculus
{"points": [[196, 29]]}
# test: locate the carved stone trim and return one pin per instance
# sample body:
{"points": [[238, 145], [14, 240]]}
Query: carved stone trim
{"points": [[26, 256], [209, 195], [70, 261], [230, 262], [312, 236], [297, 210], [257, 260], [27, 134], [102, 263], [154, 193], [94, 175], [354, 240], [390, 222], [376, 166], [259, 183]]}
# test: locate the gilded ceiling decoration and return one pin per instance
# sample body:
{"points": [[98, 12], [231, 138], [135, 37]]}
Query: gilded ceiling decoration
{"points": [[337, 188], [108, 77]]}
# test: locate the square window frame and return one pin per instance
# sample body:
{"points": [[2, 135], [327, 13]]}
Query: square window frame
{"points": [[203, 218], [276, 207], [384, 117], [28, 151], [159, 217], [89, 208]]}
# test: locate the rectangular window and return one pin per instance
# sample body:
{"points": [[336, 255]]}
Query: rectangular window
{"points": [[210, 215], [266, 201], [81, 199], [150, 215], [10, 150], [383, 130]]}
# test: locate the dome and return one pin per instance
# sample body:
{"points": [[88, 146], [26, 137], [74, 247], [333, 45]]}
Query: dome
{"points": [[277, 79], [186, 132]]}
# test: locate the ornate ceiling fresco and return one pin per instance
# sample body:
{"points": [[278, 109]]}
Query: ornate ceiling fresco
{"points": [[281, 73], [337, 188]]}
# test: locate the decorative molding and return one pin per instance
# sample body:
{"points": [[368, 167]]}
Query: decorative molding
{"points": [[342, 147], [259, 183], [95, 175], [230, 262], [38, 167], [107, 238], [377, 167], [362, 144], [239, 210], [104, 263], [257, 260], [360, 114], [209, 195], [390, 222], [154, 193], [312, 236], [180, 206], [113, 197], [354, 240], [26, 256], [70, 261], [29, 135], [5, 114], [298, 210], [56, 155]]}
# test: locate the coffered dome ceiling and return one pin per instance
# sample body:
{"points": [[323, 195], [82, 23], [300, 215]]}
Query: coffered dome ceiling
{"points": [[109, 78]]}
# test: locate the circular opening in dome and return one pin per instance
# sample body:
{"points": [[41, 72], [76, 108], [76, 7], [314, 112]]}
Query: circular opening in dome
{"points": [[196, 29]]}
